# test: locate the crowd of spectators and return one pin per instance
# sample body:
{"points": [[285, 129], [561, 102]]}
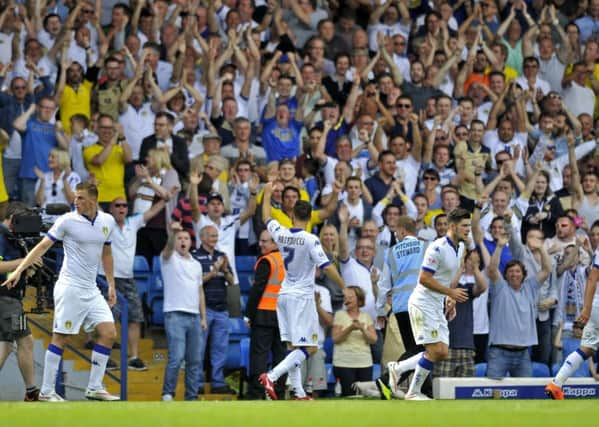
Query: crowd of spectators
{"points": [[373, 111]]}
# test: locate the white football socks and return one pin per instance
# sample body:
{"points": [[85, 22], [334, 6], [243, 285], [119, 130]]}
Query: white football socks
{"points": [[51, 363], [423, 368], [571, 365], [100, 356], [293, 359]]}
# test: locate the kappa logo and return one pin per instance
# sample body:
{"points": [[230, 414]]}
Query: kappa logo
{"points": [[68, 324]]}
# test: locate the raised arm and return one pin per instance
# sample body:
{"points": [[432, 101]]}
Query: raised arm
{"points": [[249, 211], [20, 123], [343, 213], [493, 268], [545, 265]]}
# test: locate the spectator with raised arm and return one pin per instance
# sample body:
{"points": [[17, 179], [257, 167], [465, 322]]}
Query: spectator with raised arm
{"points": [[513, 299]]}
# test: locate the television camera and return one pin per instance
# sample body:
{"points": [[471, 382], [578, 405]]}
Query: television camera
{"points": [[27, 231]]}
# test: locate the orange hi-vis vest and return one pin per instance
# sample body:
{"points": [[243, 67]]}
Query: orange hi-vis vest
{"points": [[273, 285]]}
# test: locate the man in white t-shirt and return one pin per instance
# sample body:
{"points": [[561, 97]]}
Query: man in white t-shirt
{"points": [[86, 238], [184, 314], [124, 243], [432, 298], [296, 307]]}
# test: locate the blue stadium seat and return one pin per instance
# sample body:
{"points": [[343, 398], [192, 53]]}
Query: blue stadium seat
{"points": [[157, 307], [237, 329], [555, 368], [141, 274], [233, 356], [376, 371], [330, 375], [244, 351], [245, 281], [480, 370], [245, 263], [156, 287], [540, 370], [328, 349]]}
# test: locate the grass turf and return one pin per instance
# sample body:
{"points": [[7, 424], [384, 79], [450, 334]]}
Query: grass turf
{"points": [[331, 413]]}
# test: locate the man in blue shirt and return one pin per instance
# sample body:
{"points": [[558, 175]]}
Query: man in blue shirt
{"points": [[512, 319], [39, 138], [281, 133]]}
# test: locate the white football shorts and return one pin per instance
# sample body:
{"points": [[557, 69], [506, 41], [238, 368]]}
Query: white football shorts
{"points": [[298, 320], [428, 326], [75, 307]]}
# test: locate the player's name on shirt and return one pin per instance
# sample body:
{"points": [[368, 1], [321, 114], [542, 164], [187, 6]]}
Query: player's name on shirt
{"points": [[291, 240]]}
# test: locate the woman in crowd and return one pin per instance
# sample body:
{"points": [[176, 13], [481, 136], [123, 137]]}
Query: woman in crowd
{"points": [[353, 334], [158, 180], [57, 185]]}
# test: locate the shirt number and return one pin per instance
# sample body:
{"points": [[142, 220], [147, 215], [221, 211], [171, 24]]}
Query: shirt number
{"points": [[289, 253]]}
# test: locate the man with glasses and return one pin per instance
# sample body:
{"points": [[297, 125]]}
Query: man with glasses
{"points": [[107, 93], [38, 134], [106, 160], [400, 47], [124, 242], [530, 80], [13, 104]]}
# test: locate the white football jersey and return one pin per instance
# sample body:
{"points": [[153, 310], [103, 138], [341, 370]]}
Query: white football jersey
{"points": [[302, 253], [442, 259], [83, 240]]}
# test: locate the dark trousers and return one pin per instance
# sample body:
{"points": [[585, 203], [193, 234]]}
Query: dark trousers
{"points": [[542, 352], [481, 342], [150, 242], [348, 376], [265, 340], [405, 330]]}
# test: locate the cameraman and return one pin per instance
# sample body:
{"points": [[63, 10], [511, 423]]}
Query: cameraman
{"points": [[13, 323]]}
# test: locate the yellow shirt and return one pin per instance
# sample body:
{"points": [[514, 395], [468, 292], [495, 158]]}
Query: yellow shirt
{"points": [[285, 221], [110, 175], [303, 196], [509, 73], [3, 193], [430, 215], [75, 102]]}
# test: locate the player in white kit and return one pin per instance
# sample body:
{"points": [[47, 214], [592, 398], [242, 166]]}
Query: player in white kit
{"points": [[589, 317], [296, 307], [85, 235], [430, 301]]}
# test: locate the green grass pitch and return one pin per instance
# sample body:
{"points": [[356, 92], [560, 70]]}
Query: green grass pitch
{"points": [[331, 413]]}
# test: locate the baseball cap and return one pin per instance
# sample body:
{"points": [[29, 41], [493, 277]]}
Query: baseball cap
{"points": [[214, 196]]}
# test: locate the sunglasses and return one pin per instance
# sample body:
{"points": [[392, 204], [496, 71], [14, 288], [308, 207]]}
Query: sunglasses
{"points": [[121, 205], [430, 178], [19, 87], [551, 147], [404, 106]]}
